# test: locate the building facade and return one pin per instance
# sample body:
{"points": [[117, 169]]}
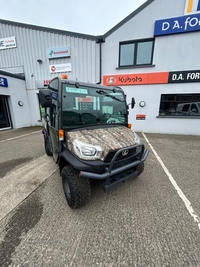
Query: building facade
{"points": [[37, 55], [152, 54]]}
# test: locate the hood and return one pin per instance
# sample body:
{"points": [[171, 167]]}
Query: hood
{"points": [[109, 139]]}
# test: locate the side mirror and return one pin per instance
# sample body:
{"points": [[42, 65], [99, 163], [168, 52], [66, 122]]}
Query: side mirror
{"points": [[132, 102], [45, 98]]}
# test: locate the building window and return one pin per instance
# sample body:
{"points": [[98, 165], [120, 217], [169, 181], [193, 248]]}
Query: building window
{"points": [[136, 53], [180, 105]]}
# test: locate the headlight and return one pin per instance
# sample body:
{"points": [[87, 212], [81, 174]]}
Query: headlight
{"points": [[87, 151], [137, 139]]}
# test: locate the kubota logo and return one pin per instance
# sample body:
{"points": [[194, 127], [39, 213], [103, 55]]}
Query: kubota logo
{"points": [[125, 152], [111, 80]]}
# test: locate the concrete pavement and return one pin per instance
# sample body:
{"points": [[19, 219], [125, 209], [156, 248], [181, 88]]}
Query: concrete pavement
{"points": [[144, 222]]}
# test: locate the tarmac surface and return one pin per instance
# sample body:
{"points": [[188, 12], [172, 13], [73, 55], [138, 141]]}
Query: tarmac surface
{"points": [[153, 220]]}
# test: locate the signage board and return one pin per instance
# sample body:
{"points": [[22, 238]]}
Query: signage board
{"points": [[189, 22], [46, 82], [85, 103], [192, 6], [3, 82], [183, 24], [76, 90], [140, 116], [186, 76], [42, 83], [66, 67], [8, 42], [136, 79], [58, 52]]}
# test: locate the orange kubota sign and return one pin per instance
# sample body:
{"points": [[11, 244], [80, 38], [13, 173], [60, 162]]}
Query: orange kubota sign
{"points": [[131, 79]]}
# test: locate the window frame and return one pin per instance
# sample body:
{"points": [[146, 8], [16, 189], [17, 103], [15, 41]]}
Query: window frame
{"points": [[54, 84], [135, 52]]}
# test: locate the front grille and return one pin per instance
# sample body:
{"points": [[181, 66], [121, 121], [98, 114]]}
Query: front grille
{"points": [[109, 157], [120, 158], [123, 162]]}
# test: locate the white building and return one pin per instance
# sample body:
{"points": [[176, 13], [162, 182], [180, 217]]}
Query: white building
{"points": [[153, 54]]}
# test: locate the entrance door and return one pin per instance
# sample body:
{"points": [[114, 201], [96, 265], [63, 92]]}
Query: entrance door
{"points": [[5, 121]]}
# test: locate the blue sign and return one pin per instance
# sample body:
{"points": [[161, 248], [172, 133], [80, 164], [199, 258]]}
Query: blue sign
{"points": [[3, 82], [176, 25], [54, 95]]}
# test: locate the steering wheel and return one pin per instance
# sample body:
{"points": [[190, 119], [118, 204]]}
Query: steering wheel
{"points": [[104, 117]]}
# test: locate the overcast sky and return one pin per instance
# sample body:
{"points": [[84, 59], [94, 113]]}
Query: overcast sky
{"points": [[93, 17]]}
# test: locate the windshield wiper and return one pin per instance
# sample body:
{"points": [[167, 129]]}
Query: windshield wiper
{"points": [[106, 94]]}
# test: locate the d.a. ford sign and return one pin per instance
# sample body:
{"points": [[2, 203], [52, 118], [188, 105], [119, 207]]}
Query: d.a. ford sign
{"points": [[183, 24]]}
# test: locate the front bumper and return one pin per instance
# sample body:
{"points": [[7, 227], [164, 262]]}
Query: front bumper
{"points": [[115, 176], [102, 176]]}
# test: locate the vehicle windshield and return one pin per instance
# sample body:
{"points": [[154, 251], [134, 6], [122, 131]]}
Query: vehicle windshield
{"points": [[85, 106]]}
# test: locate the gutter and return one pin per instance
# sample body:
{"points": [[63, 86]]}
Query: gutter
{"points": [[99, 41]]}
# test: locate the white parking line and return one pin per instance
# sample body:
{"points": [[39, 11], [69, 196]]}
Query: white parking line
{"points": [[179, 191], [16, 137]]}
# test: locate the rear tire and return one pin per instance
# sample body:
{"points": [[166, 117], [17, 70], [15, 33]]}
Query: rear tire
{"points": [[77, 190], [47, 147]]}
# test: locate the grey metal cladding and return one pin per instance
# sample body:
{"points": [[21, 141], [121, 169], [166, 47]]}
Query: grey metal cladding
{"points": [[32, 43]]}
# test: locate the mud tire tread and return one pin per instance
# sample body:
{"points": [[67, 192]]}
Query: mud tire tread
{"points": [[79, 187]]}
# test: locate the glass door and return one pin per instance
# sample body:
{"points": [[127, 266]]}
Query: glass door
{"points": [[5, 121]]}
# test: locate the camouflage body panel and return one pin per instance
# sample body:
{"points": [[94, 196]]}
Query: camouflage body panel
{"points": [[109, 139]]}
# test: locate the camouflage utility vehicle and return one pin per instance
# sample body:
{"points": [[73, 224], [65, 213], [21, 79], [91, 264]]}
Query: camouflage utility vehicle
{"points": [[86, 131]]}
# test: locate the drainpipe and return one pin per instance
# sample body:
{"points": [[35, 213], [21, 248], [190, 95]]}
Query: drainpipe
{"points": [[100, 41]]}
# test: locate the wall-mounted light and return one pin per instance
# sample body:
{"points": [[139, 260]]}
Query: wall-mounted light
{"points": [[39, 61], [142, 104], [20, 103]]}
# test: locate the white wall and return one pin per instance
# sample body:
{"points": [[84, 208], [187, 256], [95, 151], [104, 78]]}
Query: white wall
{"points": [[35, 118], [16, 91], [151, 95]]}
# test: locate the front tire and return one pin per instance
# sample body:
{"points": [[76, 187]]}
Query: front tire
{"points": [[140, 168], [77, 190]]}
